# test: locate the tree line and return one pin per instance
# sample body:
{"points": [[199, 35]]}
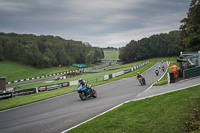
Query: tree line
{"points": [[161, 45], [46, 51]]}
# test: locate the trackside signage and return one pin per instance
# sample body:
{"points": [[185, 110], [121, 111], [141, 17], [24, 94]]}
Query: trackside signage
{"points": [[24, 92], [6, 95], [42, 88], [52, 87]]}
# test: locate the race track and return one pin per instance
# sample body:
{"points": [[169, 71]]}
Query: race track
{"points": [[58, 114]]}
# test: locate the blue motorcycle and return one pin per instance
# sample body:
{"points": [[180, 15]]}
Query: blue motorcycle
{"points": [[86, 92]]}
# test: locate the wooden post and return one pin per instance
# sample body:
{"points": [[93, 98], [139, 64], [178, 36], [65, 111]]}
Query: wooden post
{"points": [[2, 84]]}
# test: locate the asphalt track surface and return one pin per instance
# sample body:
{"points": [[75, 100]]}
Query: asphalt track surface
{"points": [[63, 112]]}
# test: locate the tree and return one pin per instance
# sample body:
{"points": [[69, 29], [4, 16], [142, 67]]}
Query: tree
{"points": [[190, 29], [90, 57]]}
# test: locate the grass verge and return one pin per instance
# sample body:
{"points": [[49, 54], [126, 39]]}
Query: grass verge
{"points": [[168, 113]]}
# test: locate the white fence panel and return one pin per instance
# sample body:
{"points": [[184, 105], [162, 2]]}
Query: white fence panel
{"points": [[73, 82], [106, 77]]}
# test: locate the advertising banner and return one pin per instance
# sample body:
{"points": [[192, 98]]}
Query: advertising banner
{"points": [[5, 95], [127, 71], [65, 84], [52, 87], [24, 92], [42, 88]]}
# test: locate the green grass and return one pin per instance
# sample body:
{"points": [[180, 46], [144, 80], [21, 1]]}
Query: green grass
{"points": [[166, 113], [15, 71], [111, 55]]}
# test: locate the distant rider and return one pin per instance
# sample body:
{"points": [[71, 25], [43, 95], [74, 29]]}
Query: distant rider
{"points": [[157, 72], [140, 75], [163, 68]]}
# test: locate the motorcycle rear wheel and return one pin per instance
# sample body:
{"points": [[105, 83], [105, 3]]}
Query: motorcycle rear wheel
{"points": [[94, 93], [141, 82]]}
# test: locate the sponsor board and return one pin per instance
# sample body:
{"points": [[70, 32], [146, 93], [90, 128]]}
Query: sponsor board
{"points": [[52, 87], [65, 84], [127, 71], [24, 92], [5, 95], [42, 88]]}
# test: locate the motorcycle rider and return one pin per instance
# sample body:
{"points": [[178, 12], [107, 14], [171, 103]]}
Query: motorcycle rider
{"points": [[140, 75], [157, 72], [163, 68], [84, 84]]}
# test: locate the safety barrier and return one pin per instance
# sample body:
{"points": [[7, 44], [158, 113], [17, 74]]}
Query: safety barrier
{"points": [[191, 72], [109, 76]]}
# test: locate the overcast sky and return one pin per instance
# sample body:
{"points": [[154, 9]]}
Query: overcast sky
{"points": [[99, 22]]}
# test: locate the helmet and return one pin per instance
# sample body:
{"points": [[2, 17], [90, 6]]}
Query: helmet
{"points": [[138, 72], [80, 80]]}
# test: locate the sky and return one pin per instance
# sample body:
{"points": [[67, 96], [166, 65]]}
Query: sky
{"points": [[101, 23]]}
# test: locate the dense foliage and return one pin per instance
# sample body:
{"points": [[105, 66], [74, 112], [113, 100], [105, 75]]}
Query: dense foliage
{"points": [[161, 45], [190, 28], [46, 51]]}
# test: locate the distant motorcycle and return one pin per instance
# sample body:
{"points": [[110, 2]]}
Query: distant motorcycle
{"points": [[142, 81], [157, 72], [85, 92], [163, 68]]}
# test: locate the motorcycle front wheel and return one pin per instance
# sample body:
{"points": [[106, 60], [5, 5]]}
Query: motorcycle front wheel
{"points": [[82, 96]]}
